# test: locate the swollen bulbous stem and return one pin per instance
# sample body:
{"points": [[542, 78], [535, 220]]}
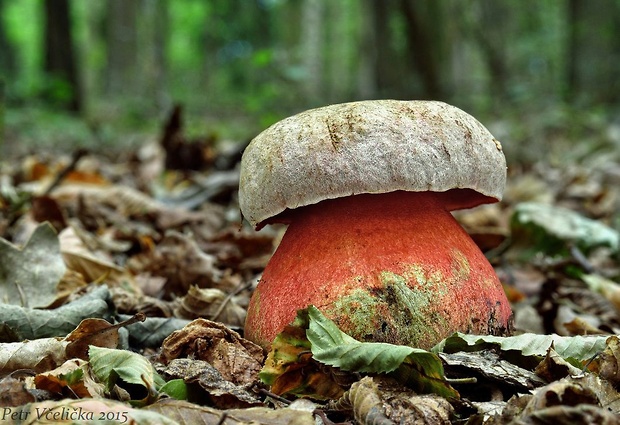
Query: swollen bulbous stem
{"points": [[393, 267]]}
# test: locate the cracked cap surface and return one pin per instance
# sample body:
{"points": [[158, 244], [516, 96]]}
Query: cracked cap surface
{"points": [[374, 146]]}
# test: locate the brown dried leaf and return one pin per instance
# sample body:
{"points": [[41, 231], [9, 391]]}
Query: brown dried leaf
{"points": [[38, 355], [45, 354], [579, 326], [91, 332], [569, 415], [61, 381], [606, 287], [94, 267], [212, 303], [221, 392], [179, 258], [189, 413], [13, 392], [124, 199], [364, 400], [45, 208], [559, 393], [88, 410], [378, 401], [236, 358], [554, 367], [607, 364], [489, 366]]}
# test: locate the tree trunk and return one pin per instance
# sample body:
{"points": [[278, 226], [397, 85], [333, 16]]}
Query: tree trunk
{"points": [[312, 44], [122, 48], [384, 65], [367, 65], [424, 49], [60, 62], [154, 65], [593, 51]]}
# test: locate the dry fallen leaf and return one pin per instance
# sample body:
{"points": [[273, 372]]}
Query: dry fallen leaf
{"points": [[29, 276], [213, 304], [237, 359], [69, 380], [190, 413], [45, 354], [95, 267], [220, 392]]}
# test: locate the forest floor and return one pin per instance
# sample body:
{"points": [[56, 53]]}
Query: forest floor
{"points": [[125, 284]]}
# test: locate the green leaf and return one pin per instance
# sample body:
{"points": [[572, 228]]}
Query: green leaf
{"points": [[29, 276], [414, 367], [549, 228], [574, 349], [110, 365], [175, 388]]}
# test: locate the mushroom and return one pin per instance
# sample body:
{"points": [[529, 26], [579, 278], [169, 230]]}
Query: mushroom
{"points": [[367, 189]]}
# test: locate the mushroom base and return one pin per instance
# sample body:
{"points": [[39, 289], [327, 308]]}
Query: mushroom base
{"points": [[393, 267]]}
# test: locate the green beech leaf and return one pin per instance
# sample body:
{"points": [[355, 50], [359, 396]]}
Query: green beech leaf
{"points": [[574, 349], [111, 365], [175, 388], [548, 228], [414, 367]]}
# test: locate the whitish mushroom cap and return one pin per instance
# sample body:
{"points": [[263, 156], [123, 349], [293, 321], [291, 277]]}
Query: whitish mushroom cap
{"points": [[375, 146]]}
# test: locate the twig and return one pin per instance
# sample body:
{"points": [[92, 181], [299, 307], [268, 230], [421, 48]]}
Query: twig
{"points": [[222, 418], [274, 396], [469, 380], [77, 155], [321, 414], [581, 259], [226, 300]]}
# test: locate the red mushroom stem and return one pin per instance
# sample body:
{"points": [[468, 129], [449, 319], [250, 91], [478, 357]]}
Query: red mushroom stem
{"points": [[394, 267]]}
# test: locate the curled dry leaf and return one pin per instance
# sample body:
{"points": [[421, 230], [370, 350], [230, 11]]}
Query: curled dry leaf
{"points": [[98, 333], [382, 401], [237, 359], [95, 267], [364, 400], [558, 393], [220, 392], [606, 287], [69, 380], [607, 364], [554, 367], [212, 303]]}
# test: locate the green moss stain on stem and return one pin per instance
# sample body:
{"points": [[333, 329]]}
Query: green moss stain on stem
{"points": [[404, 307]]}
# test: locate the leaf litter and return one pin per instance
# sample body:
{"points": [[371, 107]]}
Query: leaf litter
{"points": [[87, 243]]}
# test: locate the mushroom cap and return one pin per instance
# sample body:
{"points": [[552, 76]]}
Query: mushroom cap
{"points": [[374, 146]]}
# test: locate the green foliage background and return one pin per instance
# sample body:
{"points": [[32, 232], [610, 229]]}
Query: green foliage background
{"points": [[240, 65]]}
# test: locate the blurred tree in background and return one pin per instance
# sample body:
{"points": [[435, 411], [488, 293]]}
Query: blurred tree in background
{"points": [[243, 64]]}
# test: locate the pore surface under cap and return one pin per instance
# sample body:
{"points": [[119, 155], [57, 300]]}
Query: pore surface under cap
{"points": [[376, 146]]}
